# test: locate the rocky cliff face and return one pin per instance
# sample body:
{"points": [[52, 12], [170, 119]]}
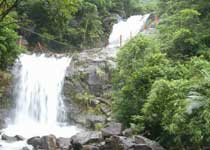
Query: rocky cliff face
{"points": [[87, 86]]}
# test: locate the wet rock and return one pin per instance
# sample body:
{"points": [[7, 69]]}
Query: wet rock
{"points": [[48, 142], [19, 138], [112, 129], [45, 142], [85, 138], [64, 143], [25, 148], [35, 142], [7, 138]]}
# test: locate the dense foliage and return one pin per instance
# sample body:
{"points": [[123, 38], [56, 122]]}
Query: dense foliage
{"points": [[9, 48], [72, 23], [163, 90]]}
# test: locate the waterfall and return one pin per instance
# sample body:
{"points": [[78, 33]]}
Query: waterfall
{"points": [[39, 89], [126, 29], [39, 109]]}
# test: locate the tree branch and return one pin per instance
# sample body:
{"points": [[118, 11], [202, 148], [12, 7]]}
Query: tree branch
{"points": [[8, 10]]}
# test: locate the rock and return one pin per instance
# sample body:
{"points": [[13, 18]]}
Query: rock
{"points": [[142, 140], [84, 138], [127, 132], [91, 120], [19, 138], [112, 129], [35, 142], [123, 143], [8, 138], [90, 147], [48, 142], [64, 143], [140, 147], [89, 72], [25, 148], [45, 142], [106, 110]]}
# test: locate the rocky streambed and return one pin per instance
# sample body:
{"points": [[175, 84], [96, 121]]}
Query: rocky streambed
{"points": [[112, 137]]}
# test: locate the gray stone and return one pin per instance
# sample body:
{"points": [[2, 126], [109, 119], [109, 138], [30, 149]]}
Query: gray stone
{"points": [[85, 138], [112, 129], [123, 143], [90, 147], [127, 132], [35, 142], [7, 138], [48, 142], [89, 72], [45, 142], [64, 143], [19, 138], [25, 148], [142, 140], [91, 120]]}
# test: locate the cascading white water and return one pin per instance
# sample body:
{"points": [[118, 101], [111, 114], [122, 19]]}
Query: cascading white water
{"points": [[39, 89], [126, 29], [38, 94]]}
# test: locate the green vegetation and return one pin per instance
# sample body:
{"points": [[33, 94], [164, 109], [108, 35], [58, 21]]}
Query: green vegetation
{"points": [[72, 23], [163, 90]]}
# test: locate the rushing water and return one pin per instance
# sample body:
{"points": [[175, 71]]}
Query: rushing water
{"points": [[126, 29], [40, 109]]}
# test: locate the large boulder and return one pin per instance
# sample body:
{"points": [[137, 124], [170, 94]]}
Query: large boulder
{"points": [[45, 142], [49, 142], [112, 129], [35, 142], [89, 73], [85, 138]]}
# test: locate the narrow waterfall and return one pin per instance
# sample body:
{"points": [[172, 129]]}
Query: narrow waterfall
{"points": [[126, 29], [40, 109]]}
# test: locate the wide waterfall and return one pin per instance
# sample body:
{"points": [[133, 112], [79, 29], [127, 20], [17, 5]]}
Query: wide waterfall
{"points": [[124, 30], [40, 109]]}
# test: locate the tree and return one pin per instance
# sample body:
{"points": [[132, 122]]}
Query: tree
{"points": [[6, 6], [9, 49]]}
